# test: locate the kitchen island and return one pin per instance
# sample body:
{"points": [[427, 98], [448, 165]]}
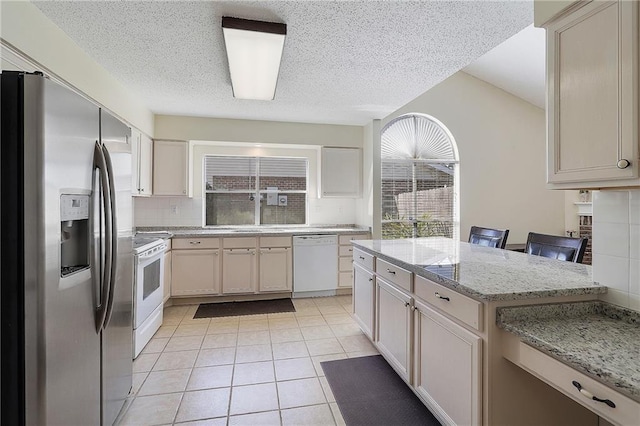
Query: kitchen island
{"points": [[429, 305]]}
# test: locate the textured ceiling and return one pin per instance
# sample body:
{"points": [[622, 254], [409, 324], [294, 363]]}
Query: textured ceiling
{"points": [[516, 66], [344, 62]]}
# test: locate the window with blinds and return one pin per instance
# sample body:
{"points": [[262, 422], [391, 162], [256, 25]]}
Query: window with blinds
{"points": [[419, 169], [417, 192], [255, 190]]}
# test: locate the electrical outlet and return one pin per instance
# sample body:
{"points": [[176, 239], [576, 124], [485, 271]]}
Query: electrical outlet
{"points": [[174, 210]]}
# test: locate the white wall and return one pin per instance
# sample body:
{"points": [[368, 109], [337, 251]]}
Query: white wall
{"points": [[364, 205], [183, 211], [239, 137], [616, 246], [502, 145], [219, 129], [571, 218], [23, 28]]}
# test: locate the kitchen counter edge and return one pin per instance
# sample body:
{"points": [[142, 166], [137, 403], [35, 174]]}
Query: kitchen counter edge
{"points": [[178, 232], [483, 297]]}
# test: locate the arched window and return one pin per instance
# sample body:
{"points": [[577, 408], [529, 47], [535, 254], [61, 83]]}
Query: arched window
{"points": [[420, 187]]}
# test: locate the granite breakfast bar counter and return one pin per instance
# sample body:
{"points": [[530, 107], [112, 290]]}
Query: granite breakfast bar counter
{"points": [[485, 273], [595, 344], [449, 292]]}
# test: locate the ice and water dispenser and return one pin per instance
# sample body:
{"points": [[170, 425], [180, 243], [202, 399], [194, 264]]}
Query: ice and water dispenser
{"points": [[74, 233]]}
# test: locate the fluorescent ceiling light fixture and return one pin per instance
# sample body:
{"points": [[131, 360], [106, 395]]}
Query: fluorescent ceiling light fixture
{"points": [[254, 51]]}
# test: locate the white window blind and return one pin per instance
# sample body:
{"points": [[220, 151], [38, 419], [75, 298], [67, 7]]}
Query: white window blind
{"points": [[283, 167], [255, 190]]}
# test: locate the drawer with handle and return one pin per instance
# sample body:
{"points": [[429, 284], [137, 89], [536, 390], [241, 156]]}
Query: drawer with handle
{"points": [[461, 307], [275, 241], [345, 264], [240, 242], [195, 243], [346, 239], [363, 259], [599, 398], [345, 251], [345, 279], [394, 274]]}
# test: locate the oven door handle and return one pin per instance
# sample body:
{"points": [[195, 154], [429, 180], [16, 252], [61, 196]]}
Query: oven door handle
{"points": [[113, 237], [104, 278]]}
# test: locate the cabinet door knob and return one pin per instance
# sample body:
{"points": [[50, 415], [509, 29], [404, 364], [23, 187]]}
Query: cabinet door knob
{"points": [[623, 164], [391, 272], [370, 279], [361, 258], [406, 304]]}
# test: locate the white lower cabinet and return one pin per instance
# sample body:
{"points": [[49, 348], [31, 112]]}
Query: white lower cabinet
{"points": [[393, 334], [364, 290], [275, 269], [195, 272], [439, 358], [239, 270], [345, 258], [448, 367]]}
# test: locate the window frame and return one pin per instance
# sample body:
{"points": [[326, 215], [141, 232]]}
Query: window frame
{"points": [[256, 191]]}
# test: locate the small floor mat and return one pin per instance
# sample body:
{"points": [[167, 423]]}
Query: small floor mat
{"points": [[253, 307], [369, 392]]}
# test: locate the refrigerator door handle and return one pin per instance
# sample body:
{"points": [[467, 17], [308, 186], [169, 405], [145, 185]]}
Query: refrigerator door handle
{"points": [[99, 163], [113, 236]]}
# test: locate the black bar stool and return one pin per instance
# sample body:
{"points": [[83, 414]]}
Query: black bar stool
{"points": [[556, 247], [488, 237]]}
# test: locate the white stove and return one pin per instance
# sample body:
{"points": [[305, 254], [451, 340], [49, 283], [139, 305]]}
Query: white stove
{"points": [[147, 289], [142, 244]]}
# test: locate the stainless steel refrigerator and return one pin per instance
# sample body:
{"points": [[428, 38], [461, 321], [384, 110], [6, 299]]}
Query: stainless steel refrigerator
{"points": [[66, 248]]}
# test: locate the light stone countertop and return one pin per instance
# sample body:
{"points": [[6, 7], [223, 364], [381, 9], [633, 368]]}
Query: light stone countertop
{"points": [[596, 338], [485, 273], [195, 232]]}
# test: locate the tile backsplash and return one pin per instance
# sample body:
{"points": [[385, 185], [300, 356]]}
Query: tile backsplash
{"points": [[167, 211], [616, 245]]}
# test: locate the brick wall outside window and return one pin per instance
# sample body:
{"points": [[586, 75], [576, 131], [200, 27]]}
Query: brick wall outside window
{"points": [[239, 209], [586, 223]]}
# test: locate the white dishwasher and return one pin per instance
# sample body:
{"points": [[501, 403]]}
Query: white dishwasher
{"points": [[315, 265]]}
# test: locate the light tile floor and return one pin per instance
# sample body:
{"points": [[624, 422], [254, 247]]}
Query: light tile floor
{"points": [[247, 370]]}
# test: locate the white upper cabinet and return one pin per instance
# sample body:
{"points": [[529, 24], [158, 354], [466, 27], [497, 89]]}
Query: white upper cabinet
{"points": [[341, 172], [592, 105], [170, 167], [141, 163]]}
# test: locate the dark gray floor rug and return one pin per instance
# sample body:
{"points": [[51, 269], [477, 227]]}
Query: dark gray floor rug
{"points": [[254, 307], [369, 392]]}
